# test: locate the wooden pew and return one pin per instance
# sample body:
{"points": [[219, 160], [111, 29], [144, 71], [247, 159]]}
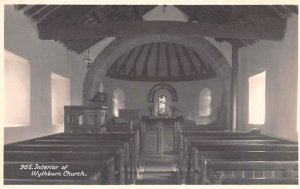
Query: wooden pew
{"points": [[95, 140], [184, 134], [109, 135], [260, 181], [185, 151], [189, 143], [216, 170], [96, 172], [119, 155], [200, 128], [88, 143], [134, 134], [208, 138], [224, 142], [186, 170], [200, 159]]}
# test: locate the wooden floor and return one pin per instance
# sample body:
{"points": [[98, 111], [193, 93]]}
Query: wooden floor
{"points": [[158, 171]]}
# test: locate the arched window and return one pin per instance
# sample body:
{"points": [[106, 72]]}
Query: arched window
{"points": [[101, 89], [118, 101], [205, 103]]}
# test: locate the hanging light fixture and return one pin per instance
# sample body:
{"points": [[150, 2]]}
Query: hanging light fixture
{"points": [[89, 60]]}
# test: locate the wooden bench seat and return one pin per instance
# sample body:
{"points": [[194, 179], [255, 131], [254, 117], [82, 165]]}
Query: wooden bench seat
{"points": [[201, 157], [111, 136], [100, 142], [257, 169], [186, 149], [247, 147], [108, 135], [239, 153], [260, 181], [123, 162], [186, 163], [183, 134], [94, 141], [201, 128]]}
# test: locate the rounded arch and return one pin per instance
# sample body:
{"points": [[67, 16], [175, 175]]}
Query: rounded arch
{"points": [[101, 89], [159, 86], [208, 52], [205, 92]]}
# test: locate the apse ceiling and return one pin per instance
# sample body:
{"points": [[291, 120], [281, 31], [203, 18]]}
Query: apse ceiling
{"points": [[160, 62], [78, 27]]}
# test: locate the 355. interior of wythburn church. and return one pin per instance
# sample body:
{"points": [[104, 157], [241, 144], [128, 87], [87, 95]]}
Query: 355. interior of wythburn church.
{"points": [[150, 94]]}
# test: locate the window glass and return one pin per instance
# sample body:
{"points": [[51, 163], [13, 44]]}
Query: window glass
{"points": [[17, 90], [162, 105], [60, 95], [257, 87], [118, 101], [205, 103]]}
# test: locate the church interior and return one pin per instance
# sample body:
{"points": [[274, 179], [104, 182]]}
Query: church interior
{"points": [[150, 94]]}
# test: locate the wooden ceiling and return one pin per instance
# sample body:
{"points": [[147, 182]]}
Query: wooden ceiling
{"points": [[79, 27], [160, 62]]}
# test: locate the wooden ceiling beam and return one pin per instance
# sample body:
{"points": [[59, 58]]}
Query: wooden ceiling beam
{"points": [[132, 71], [293, 8], [157, 59], [53, 10], [34, 10], [122, 69], [20, 6], [168, 60], [145, 67], [277, 12], [180, 63], [193, 14], [193, 69], [123, 29], [100, 16], [137, 12], [203, 65], [77, 14]]}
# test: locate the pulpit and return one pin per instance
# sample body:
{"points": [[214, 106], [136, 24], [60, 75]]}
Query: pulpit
{"points": [[158, 135], [84, 119]]}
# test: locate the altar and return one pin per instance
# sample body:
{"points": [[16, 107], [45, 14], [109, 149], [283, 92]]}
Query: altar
{"points": [[158, 135]]}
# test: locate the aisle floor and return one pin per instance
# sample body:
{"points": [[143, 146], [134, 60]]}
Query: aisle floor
{"points": [[157, 171]]}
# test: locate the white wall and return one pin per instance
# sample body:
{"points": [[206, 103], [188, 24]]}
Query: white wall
{"points": [[188, 96], [21, 38], [279, 58]]}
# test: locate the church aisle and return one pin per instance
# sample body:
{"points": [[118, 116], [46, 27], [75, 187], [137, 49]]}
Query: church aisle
{"points": [[157, 171]]}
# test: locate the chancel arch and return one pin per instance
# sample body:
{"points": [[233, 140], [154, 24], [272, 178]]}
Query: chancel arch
{"points": [[208, 53]]}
